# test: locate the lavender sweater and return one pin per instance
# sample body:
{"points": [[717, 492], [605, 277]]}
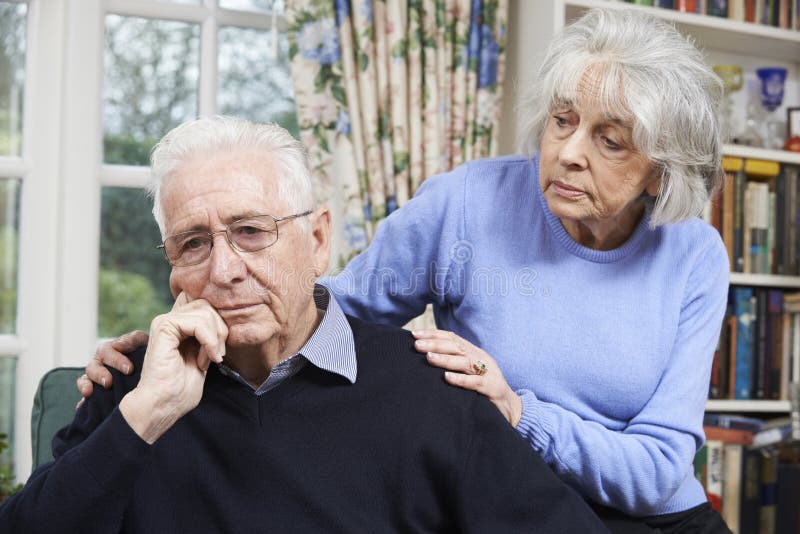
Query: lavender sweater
{"points": [[610, 351]]}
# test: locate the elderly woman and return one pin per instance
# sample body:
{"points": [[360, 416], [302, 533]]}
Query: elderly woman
{"points": [[581, 270]]}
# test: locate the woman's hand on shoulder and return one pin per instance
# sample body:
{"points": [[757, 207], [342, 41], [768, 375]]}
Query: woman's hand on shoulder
{"points": [[111, 353], [469, 367]]}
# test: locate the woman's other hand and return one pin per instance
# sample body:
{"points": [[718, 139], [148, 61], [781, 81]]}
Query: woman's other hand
{"points": [[469, 367], [110, 353]]}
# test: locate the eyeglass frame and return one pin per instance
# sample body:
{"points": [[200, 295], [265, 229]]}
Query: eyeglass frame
{"points": [[225, 231]]}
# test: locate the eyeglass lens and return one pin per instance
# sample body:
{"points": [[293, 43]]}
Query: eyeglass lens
{"points": [[246, 235]]}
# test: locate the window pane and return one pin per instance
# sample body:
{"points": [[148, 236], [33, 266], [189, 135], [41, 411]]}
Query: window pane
{"points": [[9, 223], [12, 76], [254, 80], [7, 383], [150, 84], [134, 275], [265, 6]]}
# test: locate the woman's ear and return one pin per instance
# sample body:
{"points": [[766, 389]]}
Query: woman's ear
{"points": [[654, 187]]}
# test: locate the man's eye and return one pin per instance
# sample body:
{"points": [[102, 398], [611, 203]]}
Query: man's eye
{"points": [[248, 230], [192, 243]]}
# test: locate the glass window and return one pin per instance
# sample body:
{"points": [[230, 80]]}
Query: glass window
{"points": [[7, 396], [133, 286], [12, 76], [9, 224], [150, 84], [265, 6], [254, 79]]}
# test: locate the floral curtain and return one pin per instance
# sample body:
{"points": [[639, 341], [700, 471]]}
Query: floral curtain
{"points": [[389, 92]]}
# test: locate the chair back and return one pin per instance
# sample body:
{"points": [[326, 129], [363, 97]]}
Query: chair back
{"points": [[53, 408]]}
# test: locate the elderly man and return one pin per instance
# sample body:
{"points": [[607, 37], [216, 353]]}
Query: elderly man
{"points": [[258, 405]]}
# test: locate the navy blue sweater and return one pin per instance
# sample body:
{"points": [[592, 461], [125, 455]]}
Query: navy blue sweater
{"points": [[398, 451]]}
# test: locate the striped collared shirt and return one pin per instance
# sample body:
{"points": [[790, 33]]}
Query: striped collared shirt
{"points": [[330, 348]]}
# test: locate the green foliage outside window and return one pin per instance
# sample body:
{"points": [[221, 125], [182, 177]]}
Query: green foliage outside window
{"points": [[8, 279], [127, 302], [8, 486]]}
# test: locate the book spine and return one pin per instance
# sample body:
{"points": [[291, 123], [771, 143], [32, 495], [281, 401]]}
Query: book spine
{"points": [[780, 225], [714, 472], [768, 493], [750, 495], [775, 341], [732, 485], [738, 222], [760, 359], [717, 8], [736, 10], [744, 341]]}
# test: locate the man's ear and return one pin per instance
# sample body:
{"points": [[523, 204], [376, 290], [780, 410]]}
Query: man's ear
{"points": [[321, 238]]}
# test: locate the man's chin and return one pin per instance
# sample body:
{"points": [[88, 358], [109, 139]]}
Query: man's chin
{"points": [[248, 334]]}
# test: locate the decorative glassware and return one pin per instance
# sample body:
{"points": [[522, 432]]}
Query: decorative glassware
{"points": [[772, 82], [732, 80]]}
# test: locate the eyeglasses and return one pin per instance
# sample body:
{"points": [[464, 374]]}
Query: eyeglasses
{"points": [[250, 234]]}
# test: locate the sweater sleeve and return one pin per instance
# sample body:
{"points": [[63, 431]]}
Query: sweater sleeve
{"points": [[506, 487], [98, 458], [408, 263], [639, 468]]}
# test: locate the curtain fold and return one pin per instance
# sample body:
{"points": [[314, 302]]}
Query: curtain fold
{"points": [[389, 92]]}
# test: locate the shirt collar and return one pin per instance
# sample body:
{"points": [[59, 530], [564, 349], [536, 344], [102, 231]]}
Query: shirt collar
{"points": [[331, 347]]}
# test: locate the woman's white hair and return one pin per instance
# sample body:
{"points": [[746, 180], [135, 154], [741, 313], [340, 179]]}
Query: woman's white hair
{"points": [[649, 71], [207, 135]]}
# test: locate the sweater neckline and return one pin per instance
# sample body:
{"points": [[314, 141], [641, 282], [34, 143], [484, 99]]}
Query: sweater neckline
{"points": [[573, 247]]}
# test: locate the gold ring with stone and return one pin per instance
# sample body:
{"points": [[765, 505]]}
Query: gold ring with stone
{"points": [[479, 367]]}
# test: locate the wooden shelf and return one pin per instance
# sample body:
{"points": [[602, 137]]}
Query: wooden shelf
{"points": [[748, 152], [765, 280], [714, 32], [761, 406]]}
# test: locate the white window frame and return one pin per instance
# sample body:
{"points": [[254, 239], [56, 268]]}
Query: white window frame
{"points": [[63, 175]]}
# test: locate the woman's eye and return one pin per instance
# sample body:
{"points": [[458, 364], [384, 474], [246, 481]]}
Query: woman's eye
{"points": [[560, 121], [609, 143]]}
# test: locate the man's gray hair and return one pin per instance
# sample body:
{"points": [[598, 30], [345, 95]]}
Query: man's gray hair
{"points": [[648, 70], [207, 135]]}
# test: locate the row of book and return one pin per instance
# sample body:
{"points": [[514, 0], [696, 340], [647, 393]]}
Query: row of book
{"points": [[754, 483], [777, 13], [757, 214], [758, 355]]}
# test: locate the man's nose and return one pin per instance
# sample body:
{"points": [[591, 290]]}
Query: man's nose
{"points": [[227, 266]]}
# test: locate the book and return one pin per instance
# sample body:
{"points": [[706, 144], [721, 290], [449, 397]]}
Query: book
{"points": [[717, 8], [733, 421], [714, 469], [732, 485], [728, 435], [775, 340], [739, 186], [727, 216], [745, 315], [774, 432], [736, 10], [733, 328], [769, 492], [701, 465], [750, 494], [787, 520], [760, 359]]}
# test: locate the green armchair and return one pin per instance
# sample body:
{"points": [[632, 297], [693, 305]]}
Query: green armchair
{"points": [[53, 408]]}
